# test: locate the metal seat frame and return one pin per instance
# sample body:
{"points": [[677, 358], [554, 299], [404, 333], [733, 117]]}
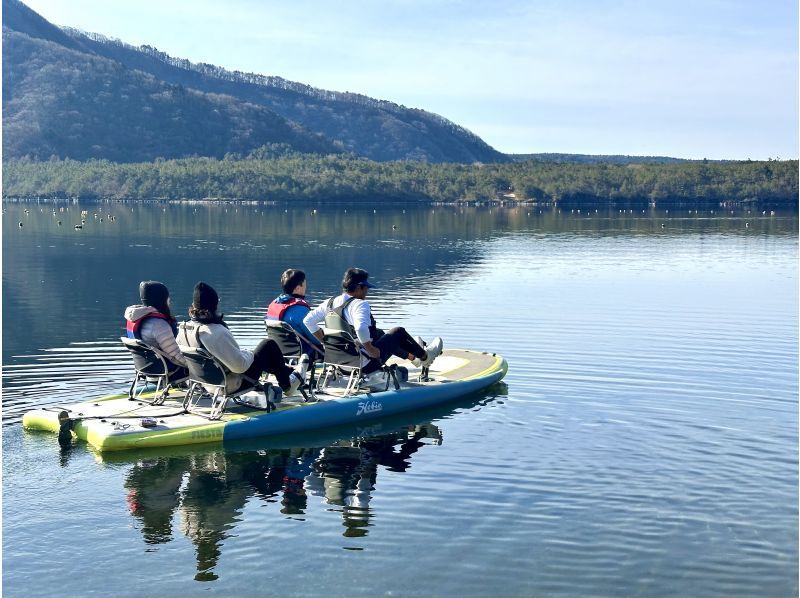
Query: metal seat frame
{"points": [[206, 371], [151, 365], [342, 356], [289, 342]]}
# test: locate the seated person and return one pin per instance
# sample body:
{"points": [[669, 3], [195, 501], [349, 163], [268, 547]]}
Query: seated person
{"points": [[208, 330], [152, 323], [291, 307], [350, 311]]}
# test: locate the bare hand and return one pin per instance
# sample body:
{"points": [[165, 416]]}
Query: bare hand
{"points": [[372, 350]]}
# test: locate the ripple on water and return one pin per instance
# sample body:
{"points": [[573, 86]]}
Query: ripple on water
{"points": [[645, 441]]}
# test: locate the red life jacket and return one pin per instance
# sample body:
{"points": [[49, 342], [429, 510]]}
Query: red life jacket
{"points": [[133, 326], [276, 310]]}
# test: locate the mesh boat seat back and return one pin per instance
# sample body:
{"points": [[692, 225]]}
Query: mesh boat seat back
{"points": [[290, 341], [203, 367], [151, 365], [145, 359], [209, 379], [341, 349], [342, 353], [286, 337], [339, 337]]}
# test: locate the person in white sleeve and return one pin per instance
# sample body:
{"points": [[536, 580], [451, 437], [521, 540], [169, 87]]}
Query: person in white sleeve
{"points": [[350, 311]]}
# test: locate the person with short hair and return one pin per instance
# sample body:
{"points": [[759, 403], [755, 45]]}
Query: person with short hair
{"points": [[208, 330], [375, 345], [152, 323], [291, 307]]}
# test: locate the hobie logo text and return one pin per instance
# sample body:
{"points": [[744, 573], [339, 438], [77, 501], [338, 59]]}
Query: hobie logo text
{"points": [[368, 407]]}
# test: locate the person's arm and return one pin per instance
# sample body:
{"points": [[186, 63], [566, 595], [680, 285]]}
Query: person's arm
{"points": [[158, 333], [359, 311], [314, 318], [295, 316], [371, 350], [220, 343]]}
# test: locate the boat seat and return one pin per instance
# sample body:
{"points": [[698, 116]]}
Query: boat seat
{"points": [[289, 342], [343, 357], [207, 372], [151, 365]]}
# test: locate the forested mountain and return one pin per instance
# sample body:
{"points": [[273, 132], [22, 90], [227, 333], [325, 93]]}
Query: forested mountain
{"points": [[71, 104], [76, 95]]}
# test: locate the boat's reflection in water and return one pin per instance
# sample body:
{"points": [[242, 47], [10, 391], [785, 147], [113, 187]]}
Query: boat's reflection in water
{"points": [[209, 489]]}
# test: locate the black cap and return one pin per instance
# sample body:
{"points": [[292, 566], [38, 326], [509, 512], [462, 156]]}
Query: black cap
{"points": [[205, 297], [153, 293]]}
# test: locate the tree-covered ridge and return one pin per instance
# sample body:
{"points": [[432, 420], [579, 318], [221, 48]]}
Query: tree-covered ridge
{"points": [[87, 81], [271, 81], [63, 102], [277, 173]]}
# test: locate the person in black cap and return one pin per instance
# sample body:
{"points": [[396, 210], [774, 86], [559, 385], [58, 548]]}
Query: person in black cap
{"points": [[376, 346], [207, 329], [151, 322]]}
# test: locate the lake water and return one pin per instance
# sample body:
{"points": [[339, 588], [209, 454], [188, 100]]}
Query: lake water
{"points": [[644, 441]]}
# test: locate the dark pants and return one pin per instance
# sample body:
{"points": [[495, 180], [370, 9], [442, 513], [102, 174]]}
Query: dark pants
{"points": [[176, 372], [267, 357], [396, 342]]}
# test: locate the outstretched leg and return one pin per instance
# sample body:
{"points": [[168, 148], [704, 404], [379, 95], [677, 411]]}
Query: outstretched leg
{"points": [[267, 357]]}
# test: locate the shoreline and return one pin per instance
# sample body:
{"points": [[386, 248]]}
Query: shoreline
{"points": [[565, 204]]}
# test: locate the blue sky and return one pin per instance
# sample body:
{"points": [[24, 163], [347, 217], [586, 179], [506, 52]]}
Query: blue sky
{"points": [[694, 79]]}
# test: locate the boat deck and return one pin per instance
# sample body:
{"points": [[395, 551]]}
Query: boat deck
{"points": [[104, 422]]}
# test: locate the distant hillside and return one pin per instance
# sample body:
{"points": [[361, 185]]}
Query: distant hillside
{"points": [[77, 95], [70, 104], [599, 159]]}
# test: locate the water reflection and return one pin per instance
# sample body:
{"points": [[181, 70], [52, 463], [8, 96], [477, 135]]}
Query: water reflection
{"points": [[210, 491]]}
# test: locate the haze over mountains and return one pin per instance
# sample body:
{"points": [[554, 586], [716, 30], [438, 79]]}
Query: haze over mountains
{"points": [[74, 95]]}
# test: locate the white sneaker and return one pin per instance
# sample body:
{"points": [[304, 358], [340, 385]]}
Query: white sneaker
{"points": [[302, 367], [417, 362], [434, 349], [294, 383], [298, 375]]}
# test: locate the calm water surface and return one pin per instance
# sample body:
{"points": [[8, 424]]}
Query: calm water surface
{"points": [[644, 441]]}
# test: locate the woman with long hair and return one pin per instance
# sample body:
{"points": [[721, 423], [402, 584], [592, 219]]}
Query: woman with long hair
{"points": [[208, 330]]}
